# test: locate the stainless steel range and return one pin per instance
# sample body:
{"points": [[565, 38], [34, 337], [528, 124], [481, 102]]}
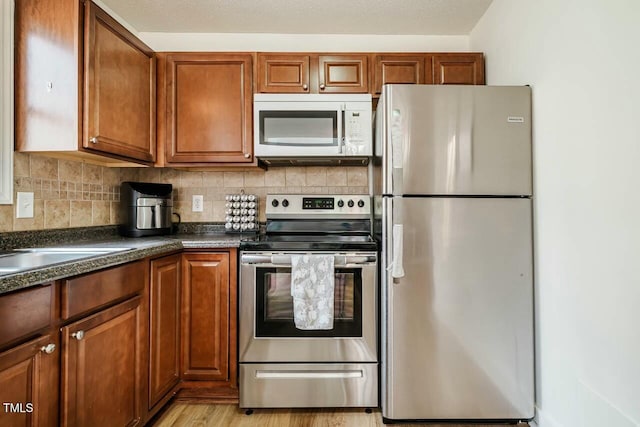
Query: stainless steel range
{"points": [[280, 364]]}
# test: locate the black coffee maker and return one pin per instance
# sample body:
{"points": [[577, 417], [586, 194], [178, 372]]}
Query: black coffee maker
{"points": [[146, 209]]}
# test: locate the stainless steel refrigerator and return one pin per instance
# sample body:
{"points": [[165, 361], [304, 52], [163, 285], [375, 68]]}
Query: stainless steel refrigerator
{"points": [[452, 179]]}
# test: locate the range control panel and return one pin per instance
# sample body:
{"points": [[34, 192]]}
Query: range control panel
{"points": [[318, 206]]}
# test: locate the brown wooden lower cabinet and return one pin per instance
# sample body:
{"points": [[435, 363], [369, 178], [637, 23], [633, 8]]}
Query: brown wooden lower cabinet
{"points": [[209, 320], [29, 383], [164, 333], [94, 371], [102, 367]]}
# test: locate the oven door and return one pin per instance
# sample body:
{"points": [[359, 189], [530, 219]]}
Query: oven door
{"points": [[267, 329]]}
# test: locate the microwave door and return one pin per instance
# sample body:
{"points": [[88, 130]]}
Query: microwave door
{"points": [[299, 129]]}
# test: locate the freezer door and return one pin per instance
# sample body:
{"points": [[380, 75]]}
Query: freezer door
{"points": [[455, 140], [457, 309]]}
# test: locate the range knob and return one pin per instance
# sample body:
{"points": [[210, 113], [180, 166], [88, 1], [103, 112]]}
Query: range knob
{"points": [[361, 203], [275, 203], [350, 203], [285, 203], [340, 203]]}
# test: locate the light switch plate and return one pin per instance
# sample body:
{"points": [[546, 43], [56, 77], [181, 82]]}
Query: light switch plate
{"points": [[24, 205]]}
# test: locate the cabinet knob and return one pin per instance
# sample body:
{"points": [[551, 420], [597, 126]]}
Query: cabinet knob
{"points": [[78, 335], [247, 155], [305, 86], [322, 86], [49, 348], [93, 140]]}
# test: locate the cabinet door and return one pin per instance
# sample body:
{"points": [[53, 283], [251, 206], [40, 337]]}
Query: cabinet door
{"points": [[101, 368], [209, 108], [164, 348], [458, 69], [283, 73], [405, 69], [29, 384], [343, 73], [205, 317], [119, 116]]}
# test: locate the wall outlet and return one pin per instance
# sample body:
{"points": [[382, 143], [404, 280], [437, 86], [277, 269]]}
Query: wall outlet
{"points": [[24, 205], [197, 203]]}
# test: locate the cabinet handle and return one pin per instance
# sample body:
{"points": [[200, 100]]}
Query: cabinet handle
{"points": [[322, 86], [93, 140], [247, 155], [78, 335], [49, 348], [305, 86]]}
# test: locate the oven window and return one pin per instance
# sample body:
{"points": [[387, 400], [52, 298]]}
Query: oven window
{"points": [[274, 305], [299, 128]]}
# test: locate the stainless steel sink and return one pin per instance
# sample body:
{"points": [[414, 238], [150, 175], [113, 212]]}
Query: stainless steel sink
{"points": [[74, 249], [31, 258]]}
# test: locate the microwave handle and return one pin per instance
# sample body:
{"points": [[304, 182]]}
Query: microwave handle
{"points": [[343, 130]]}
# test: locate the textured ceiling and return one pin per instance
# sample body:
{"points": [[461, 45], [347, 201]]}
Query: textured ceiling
{"points": [[415, 17]]}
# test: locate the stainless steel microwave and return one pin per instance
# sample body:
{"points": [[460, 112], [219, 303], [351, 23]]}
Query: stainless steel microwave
{"points": [[309, 126]]}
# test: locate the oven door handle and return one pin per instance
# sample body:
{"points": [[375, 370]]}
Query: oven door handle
{"points": [[285, 260]]}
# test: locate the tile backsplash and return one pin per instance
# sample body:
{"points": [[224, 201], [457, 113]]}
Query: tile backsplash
{"points": [[66, 194], [214, 185], [75, 194]]}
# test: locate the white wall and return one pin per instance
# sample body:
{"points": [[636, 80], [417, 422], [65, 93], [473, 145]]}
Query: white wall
{"points": [[212, 42], [582, 59]]}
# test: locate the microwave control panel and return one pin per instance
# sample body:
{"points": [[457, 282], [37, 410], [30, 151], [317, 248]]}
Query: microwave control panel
{"points": [[357, 132]]}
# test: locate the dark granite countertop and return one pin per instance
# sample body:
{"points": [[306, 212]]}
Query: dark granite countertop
{"points": [[139, 248]]}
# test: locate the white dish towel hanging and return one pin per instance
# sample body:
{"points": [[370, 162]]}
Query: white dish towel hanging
{"points": [[312, 284]]}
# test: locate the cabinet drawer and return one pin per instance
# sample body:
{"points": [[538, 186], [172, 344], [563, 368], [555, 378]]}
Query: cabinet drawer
{"points": [[83, 293], [25, 312]]}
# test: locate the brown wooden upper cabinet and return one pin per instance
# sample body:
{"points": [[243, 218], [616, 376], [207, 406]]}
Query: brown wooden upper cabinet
{"points": [[87, 85], [401, 68], [458, 69], [208, 117], [343, 74], [285, 73], [427, 68], [312, 73], [120, 113]]}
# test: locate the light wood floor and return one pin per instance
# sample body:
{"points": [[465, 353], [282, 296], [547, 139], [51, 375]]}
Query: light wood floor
{"points": [[205, 415]]}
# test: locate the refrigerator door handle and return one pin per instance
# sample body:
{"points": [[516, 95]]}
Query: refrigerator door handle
{"points": [[397, 268], [343, 130]]}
